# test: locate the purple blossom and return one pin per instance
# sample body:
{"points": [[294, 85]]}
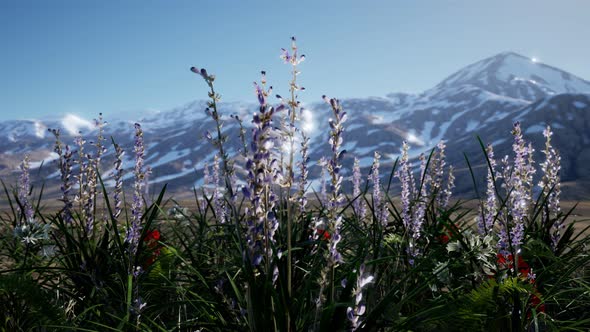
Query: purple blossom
{"points": [[439, 171], [261, 94], [355, 312], [292, 57], [403, 174], [134, 230], [448, 191], [82, 165], [412, 216], [333, 167], [303, 173], [218, 142], [90, 193], [359, 205], [118, 177], [203, 73], [490, 208], [65, 170], [263, 173], [518, 183], [551, 186], [206, 182], [323, 184], [24, 188], [218, 202], [419, 208], [380, 207]]}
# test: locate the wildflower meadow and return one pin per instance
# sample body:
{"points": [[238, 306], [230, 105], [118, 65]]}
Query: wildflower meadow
{"points": [[265, 248]]}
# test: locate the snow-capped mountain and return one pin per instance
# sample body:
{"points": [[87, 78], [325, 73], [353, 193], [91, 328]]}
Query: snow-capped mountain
{"points": [[484, 98], [513, 75]]}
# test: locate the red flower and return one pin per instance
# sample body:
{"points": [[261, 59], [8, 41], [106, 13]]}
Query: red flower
{"points": [[451, 232], [152, 235], [536, 302], [507, 262], [151, 238], [323, 234]]}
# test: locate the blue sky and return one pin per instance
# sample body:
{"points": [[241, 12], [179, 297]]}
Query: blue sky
{"points": [[126, 57]]}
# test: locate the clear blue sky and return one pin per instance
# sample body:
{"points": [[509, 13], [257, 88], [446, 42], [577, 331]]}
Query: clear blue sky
{"points": [[122, 57]]}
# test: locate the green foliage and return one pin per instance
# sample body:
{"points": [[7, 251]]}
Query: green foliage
{"points": [[25, 305]]}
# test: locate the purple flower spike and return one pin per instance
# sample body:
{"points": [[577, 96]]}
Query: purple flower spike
{"points": [[490, 208], [353, 313], [24, 187], [381, 212], [518, 182], [203, 73], [134, 230], [118, 176], [551, 186], [359, 205], [260, 94]]}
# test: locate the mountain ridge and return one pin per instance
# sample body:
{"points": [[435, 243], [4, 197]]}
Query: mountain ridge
{"points": [[486, 102]]}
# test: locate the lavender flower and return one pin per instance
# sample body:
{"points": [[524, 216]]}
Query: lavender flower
{"points": [[323, 184], [503, 235], [90, 194], [448, 191], [263, 173], [303, 173], [490, 208], [518, 183], [333, 166], [118, 176], [65, 170], [100, 150], [289, 128], [359, 205], [551, 186], [206, 182], [218, 142], [439, 171], [419, 209], [218, 203], [411, 218], [354, 313], [334, 216], [66, 185], [403, 174], [24, 188], [292, 58], [134, 230], [378, 202], [146, 184], [82, 165]]}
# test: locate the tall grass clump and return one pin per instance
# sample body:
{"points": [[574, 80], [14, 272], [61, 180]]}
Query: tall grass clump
{"points": [[260, 250]]}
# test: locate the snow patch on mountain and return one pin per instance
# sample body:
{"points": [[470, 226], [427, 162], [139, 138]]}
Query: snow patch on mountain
{"points": [[40, 129], [51, 157], [74, 124]]}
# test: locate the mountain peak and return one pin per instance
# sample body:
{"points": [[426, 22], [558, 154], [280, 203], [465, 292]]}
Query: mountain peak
{"points": [[510, 54], [517, 76]]}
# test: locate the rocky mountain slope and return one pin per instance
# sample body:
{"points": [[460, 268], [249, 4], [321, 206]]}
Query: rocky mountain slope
{"points": [[483, 99]]}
